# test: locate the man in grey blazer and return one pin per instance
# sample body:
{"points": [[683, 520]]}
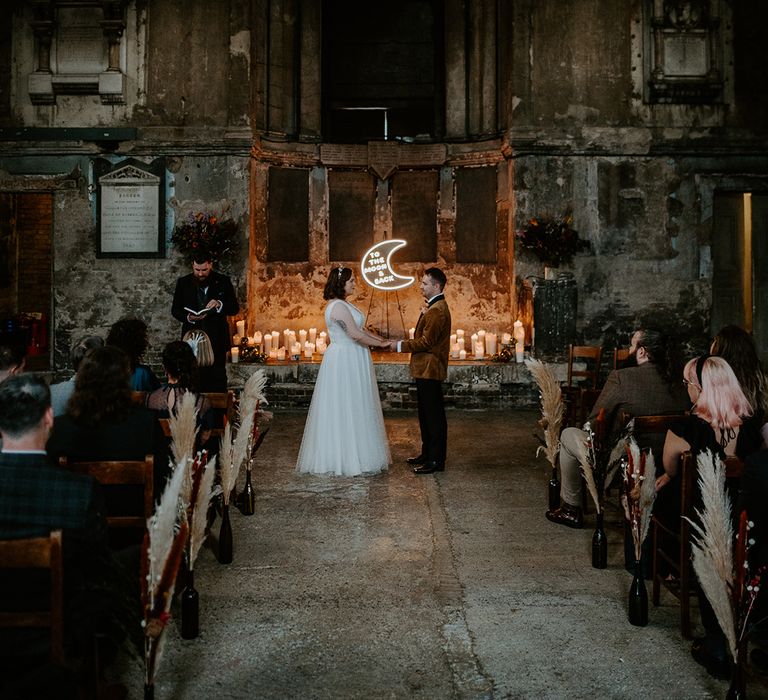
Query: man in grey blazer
{"points": [[654, 386]]}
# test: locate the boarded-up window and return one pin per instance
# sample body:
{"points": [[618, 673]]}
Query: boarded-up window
{"points": [[476, 215], [414, 214], [288, 215], [350, 219]]}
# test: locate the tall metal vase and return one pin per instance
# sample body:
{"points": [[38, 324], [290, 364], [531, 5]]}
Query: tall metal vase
{"points": [[637, 603], [225, 537]]}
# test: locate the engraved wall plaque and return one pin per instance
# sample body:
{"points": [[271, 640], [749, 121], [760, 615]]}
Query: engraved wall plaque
{"points": [[131, 206]]}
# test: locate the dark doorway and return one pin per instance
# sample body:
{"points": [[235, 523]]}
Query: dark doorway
{"points": [[382, 70], [740, 265]]}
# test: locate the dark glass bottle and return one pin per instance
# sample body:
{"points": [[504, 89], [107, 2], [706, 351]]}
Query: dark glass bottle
{"points": [[248, 496], [637, 609], [190, 609], [554, 490], [225, 537], [599, 545]]}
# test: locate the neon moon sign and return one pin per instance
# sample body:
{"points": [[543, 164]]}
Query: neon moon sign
{"points": [[377, 269]]}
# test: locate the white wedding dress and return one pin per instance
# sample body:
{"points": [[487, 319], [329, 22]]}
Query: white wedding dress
{"points": [[344, 433]]}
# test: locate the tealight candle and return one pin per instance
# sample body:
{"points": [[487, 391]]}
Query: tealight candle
{"points": [[235, 353]]}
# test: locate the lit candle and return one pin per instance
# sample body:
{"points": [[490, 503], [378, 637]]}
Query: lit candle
{"points": [[481, 338], [479, 350], [519, 331], [236, 339], [287, 337], [302, 336], [257, 338], [473, 340], [506, 338], [268, 344], [240, 328], [273, 354], [462, 354], [455, 350], [519, 351], [459, 333], [323, 335], [453, 339], [312, 335], [281, 353], [411, 333], [309, 348], [275, 339], [490, 343], [295, 351], [235, 352], [460, 342], [321, 347]]}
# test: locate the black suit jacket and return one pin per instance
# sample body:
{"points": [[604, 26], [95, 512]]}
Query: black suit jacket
{"points": [[214, 324]]}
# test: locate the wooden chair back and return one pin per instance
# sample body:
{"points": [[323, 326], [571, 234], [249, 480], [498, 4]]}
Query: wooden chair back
{"points": [[591, 355], [683, 585], [620, 355], [659, 423], [121, 473], [139, 397], [38, 553], [223, 403]]}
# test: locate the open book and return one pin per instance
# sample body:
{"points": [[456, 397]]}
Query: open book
{"points": [[198, 313]]}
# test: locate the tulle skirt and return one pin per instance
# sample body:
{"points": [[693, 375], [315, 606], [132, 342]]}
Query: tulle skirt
{"points": [[344, 433]]}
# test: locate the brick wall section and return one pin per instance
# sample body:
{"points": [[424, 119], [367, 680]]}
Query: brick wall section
{"points": [[34, 225]]}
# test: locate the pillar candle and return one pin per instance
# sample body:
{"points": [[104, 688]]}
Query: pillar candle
{"points": [[481, 338], [459, 333], [453, 339], [236, 339], [473, 340], [295, 351], [455, 350], [490, 343], [321, 347], [506, 338], [235, 353], [257, 338], [519, 331], [302, 336], [308, 350], [268, 344], [275, 339], [240, 328], [273, 354], [460, 342], [519, 351], [312, 335], [479, 350], [411, 333], [281, 353], [462, 354]]}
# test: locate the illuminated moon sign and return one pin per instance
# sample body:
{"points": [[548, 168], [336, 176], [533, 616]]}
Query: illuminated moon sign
{"points": [[377, 269]]}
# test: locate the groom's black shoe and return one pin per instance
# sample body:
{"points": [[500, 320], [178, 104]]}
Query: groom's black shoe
{"points": [[421, 459], [429, 468]]}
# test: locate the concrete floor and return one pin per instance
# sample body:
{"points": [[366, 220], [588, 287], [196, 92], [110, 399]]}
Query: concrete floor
{"points": [[404, 586]]}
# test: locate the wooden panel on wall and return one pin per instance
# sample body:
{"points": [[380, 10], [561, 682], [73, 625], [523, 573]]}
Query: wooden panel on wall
{"points": [[476, 215], [350, 217], [414, 214], [288, 215]]}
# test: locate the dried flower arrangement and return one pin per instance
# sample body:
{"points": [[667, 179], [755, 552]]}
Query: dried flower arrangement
{"points": [[551, 409], [208, 232], [639, 492], [553, 240]]}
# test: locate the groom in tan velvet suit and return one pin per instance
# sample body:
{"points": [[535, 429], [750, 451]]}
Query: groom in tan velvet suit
{"points": [[429, 367]]}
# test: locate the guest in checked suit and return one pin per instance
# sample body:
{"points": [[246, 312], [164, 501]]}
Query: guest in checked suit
{"points": [[429, 367], [206, 289]]}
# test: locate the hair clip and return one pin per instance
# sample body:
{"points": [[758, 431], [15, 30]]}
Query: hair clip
{"points": [[341, 269]]}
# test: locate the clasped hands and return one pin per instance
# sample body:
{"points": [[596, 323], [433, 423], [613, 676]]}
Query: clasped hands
{"points": [[388, 345]]}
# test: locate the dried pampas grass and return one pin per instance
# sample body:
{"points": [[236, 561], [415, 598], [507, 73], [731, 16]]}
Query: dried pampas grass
{"points": [[203, 473], [639, 492], [551, 408], [226, 464], [183, 425], [712, 544]]}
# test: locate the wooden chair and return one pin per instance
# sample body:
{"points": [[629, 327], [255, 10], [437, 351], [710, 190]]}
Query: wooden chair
{"points": [[38, 553], [121, 473], [683, 583], [223, 403], [139, 397], [620, 355], [580, 391]]}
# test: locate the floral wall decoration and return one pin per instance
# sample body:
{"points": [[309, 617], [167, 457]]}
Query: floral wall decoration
{"points": [[553, 240], [204, 231]]}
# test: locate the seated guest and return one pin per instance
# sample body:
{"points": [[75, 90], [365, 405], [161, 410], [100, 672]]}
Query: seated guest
{"points": [[36, 498], [737, 348], [61, 391], [650, 387], [181, 370], [12, 360], [102, 422], [130, 335], [723, 422]]}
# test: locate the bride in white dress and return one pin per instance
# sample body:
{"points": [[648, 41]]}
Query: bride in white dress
{"points": [[344, 433]]}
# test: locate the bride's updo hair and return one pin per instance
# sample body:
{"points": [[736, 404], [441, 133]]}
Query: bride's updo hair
{"points": [[337, 278]]}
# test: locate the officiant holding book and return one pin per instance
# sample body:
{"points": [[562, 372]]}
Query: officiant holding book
{"points": [[202, 301]]}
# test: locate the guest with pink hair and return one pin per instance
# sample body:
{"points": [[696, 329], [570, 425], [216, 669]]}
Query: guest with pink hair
{"points": [[723, 421]]}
